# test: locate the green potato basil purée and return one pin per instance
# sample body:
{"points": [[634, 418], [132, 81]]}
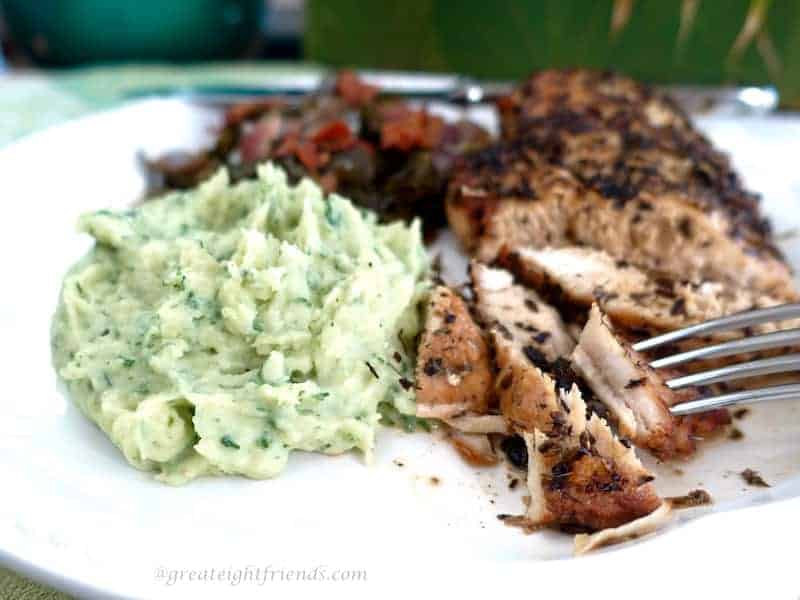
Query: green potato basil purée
{"points": [[216, 330]]}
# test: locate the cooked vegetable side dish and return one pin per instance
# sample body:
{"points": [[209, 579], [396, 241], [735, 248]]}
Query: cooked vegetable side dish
{"points": [[381, 153], [214, 330]]}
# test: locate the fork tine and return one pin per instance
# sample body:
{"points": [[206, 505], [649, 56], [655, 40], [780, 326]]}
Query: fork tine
{"points": [[775, 339], [735, 321], [753, 368], [777, 392]]}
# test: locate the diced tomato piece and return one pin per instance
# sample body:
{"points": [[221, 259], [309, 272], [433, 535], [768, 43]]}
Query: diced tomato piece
{"points": [[354, 91], [402, 134], [306, 152], [392, 110], [257, 142], [287, 146], [245, 111], [416, 130], [433, 130], [334, 136], [505, 103]]}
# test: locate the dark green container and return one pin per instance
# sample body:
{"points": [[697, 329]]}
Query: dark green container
{"points": [[510, 38], [69, 32]]}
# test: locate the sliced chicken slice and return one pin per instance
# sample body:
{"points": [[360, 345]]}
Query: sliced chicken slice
{"points": [[632, 298], [579, 474], [635, 529], [635, 394], [519, 313], [453, 370], [475, 449], [479, 424]]}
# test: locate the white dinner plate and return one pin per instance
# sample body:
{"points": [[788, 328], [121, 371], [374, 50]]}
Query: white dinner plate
{"points": [[74, 514]]}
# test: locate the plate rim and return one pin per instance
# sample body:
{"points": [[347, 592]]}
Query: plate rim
{"points": [[86, 588]]}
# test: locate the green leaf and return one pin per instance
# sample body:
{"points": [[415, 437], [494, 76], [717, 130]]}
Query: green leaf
{"points": [[228, 442], [332, 216]]}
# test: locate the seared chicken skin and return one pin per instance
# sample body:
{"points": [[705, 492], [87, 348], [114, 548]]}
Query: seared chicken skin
{"points": [[453, 371], [621, 138], [601, 161], [577, 95], [636, 394], [510, 196]]}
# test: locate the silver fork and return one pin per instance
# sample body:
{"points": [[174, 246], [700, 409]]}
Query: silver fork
{"points": [[743, 370]]}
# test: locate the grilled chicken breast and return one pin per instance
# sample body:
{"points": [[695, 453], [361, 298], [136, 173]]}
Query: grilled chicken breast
{"points": [[635, 394], [601, 161], [453, 370], [620, 137], [604, 214]]}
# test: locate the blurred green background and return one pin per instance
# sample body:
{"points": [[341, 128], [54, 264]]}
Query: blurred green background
{"points": [[664, 41]]}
